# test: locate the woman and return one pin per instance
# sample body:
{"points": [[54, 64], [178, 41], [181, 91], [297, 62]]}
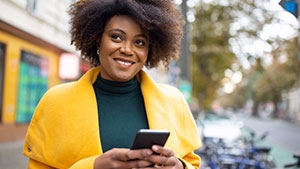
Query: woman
{"points": [[92, 122]]}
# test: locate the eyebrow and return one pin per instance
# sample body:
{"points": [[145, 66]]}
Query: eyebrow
{"points": [[123, 32]]}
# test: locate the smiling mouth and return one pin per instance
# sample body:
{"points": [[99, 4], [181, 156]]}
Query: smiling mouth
{"points": [[122, 62]]}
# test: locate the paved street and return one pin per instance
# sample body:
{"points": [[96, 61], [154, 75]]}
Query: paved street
{"points": [[11, 156], [283, 137], [280, 132]]}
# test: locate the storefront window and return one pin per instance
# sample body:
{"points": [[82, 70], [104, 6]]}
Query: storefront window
{"points": [[33, 83], [2, 60]]}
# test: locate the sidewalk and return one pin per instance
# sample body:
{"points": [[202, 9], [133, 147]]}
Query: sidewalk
{"points": [[11, 146], [11, 156]]}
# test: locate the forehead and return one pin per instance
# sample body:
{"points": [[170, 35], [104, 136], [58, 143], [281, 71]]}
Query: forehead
{"points": [[125, 23]]}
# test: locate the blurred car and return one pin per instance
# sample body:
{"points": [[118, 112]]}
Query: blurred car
{"points": [[212, 125]]}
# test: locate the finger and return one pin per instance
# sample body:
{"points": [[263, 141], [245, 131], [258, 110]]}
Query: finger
{"points": [[166, 156], [130, 164], [167, 152], [138, 164], [167, 161], [127, 155]]}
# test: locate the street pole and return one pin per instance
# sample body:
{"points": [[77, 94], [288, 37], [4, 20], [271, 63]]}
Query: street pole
{"points": [[293, 7], [184, 60], [183, 63]]}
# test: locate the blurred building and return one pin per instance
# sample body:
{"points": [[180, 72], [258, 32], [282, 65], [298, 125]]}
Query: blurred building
{"points": [[291, 105], [35, 54], [291, 99]]}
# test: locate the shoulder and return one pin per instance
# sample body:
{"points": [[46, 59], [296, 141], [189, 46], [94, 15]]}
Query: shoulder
{"points": [[61, 89], [169, 90], [159, 91], [84, 84], [148, 83], [58, 93]]}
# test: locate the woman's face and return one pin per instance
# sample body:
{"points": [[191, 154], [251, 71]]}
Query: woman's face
{"points": [[123, 49]]}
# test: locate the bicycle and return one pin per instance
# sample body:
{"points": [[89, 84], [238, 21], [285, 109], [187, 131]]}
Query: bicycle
{"points": [[296, 164], [239, 154]]}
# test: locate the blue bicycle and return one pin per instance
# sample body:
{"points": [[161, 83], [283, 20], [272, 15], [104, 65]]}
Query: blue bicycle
{"points": [[240, 154]]}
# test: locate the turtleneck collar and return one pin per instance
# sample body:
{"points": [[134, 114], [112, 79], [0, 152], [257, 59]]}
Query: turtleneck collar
{"points": [[113, 87]]}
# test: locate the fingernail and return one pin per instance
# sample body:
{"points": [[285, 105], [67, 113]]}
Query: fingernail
{"points": [[148, 152], [155, 147]]}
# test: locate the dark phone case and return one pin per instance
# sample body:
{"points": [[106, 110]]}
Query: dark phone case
{"points": [[145, 138]]}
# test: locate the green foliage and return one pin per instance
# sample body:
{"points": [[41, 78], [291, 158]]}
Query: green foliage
{"points": [[236, 99], [281, 75], [211, 53], [266, 83], [215, 26]]}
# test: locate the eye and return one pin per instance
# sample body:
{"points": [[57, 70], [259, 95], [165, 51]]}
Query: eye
{"points": [[140, 42], [116, 37]]}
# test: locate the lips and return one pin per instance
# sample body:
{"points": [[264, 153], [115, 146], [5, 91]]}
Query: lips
{"points": [[123, 62]]}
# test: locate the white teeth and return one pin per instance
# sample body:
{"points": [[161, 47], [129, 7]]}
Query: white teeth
{"points": [[124, 63]]}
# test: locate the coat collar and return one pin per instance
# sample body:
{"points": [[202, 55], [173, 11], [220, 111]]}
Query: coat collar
{"points": [[151, 93]]}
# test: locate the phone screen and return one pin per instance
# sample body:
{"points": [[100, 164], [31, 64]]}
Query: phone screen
{"points": [[146, 138]]}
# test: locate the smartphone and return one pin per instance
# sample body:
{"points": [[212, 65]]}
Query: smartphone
{"points": [[146, 138]]}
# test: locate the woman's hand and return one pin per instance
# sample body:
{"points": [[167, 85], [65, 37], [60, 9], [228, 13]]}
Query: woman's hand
{"points": [[158, 157], [165, 158], [123, 158]]}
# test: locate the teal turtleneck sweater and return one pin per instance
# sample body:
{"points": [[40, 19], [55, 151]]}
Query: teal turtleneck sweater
{"points": [[121, 112]]}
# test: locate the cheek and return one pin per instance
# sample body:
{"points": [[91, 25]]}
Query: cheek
{"points": [[143, 55], [107, 48]]}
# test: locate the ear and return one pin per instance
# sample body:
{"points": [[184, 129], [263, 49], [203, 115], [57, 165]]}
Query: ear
{"points": [[98, 44]]}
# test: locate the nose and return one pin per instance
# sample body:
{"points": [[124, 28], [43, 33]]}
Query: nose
{"points": [[126, 49]]}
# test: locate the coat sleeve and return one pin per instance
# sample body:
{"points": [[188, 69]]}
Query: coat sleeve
{"points": [[61, 134], [191, 161], [87, 163], [186, 132], [32, 164]]}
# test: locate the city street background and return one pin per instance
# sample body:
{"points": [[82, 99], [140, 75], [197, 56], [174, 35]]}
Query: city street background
{"points": [[284, 138], [11, 146], [11, 156], [238, 54]]}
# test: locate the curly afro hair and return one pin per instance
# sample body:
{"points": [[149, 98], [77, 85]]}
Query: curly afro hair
{"points": [[161, 18]]}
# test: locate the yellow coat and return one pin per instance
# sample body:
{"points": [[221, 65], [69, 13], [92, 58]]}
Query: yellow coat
{"points": [[64, 131]]}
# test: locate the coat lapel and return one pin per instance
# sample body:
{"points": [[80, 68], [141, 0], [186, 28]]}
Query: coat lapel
{"points": [[154, 103]]}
